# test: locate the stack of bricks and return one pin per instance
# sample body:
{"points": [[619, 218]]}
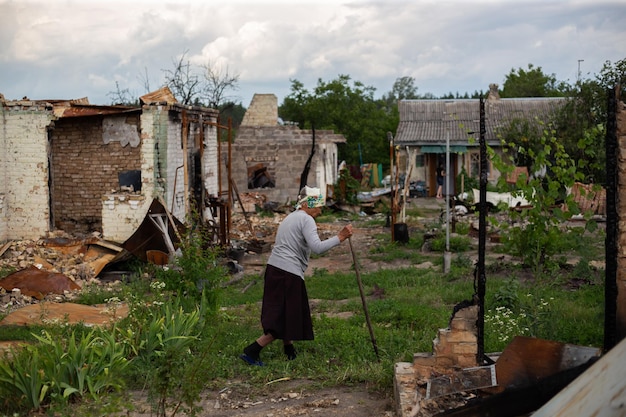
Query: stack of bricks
{"points": [[455, 347]]}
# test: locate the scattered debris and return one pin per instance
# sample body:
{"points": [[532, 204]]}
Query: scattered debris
{"points": [[158, 231]]}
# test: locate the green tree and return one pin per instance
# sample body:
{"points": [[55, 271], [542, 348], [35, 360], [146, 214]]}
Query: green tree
{"points": [[580, 126], [531, 83], [613, 74], [234, 112], [403, 89], [581, 122], [533, 231], [347, 107]]}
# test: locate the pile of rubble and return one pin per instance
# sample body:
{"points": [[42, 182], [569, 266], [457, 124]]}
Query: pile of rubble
{"points": [[66, 262]]}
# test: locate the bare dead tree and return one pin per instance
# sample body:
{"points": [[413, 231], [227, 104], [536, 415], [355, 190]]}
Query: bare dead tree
{"points": [[145, 80], [217, 82], [183, 82], [121, 96]]}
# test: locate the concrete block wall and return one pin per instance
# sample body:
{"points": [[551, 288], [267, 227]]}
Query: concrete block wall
{"points": [[24, 170], [282, 149], [85, 168]]}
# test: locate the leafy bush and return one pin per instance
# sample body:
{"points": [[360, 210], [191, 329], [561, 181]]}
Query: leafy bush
{"points": [[196, 272], [57, 369], [346, 188], [159, 335]]}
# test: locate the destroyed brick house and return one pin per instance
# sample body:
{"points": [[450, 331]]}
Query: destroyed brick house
{"points": [[268, 156], [81, 168]]}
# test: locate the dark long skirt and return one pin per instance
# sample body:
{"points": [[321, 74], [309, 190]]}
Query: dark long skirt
{"points": [[285, 313]]}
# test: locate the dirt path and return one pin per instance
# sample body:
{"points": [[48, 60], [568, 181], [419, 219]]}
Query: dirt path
{"points": [[285, 398]]}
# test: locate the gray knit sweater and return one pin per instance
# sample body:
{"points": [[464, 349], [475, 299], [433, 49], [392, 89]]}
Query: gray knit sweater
{"points": [[296, 238]]}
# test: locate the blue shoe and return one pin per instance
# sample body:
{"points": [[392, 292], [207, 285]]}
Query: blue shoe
{"points": [[247, 359]]}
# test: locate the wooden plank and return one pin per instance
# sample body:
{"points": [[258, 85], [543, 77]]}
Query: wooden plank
{"points": [[5, 247], [599, 391]]}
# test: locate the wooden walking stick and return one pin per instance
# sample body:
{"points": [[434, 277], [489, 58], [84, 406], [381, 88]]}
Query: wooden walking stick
{"points": [[367, 314]]}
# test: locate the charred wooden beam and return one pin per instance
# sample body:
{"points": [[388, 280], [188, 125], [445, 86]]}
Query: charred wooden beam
{"points": [[521, 401]]}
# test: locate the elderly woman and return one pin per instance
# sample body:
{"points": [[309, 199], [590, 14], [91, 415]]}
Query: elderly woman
{"points": [[285, 313]]}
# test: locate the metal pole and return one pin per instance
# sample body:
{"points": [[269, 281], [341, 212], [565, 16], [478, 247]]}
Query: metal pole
{"points": [[578, 73], [482, 236], [612, 327], [447, 255], [447, 178], [393, 208]]}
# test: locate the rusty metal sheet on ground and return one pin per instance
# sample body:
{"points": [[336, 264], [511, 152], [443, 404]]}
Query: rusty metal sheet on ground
{"points": [[71, 313], [527, 359], [37, 283]]}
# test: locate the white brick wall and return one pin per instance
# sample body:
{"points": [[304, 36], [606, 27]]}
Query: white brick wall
{"points": [[122, 214], [210, 161], [3, 177], [175, 197], [25, 211]]}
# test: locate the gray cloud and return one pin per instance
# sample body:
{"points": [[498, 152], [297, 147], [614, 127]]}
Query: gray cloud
{"points": [[73, 49]]}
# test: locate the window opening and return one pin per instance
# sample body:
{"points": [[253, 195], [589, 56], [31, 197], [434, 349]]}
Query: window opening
{"points": [[259, 176]]}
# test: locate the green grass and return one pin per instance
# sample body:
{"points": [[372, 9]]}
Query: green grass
{"points": [[415, 304]]}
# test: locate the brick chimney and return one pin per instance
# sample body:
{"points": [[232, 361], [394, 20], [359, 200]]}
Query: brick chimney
{"points": [[493, 92], [263, 111]]}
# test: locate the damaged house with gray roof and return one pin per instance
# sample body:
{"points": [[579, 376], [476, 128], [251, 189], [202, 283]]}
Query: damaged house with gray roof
{"points": [[428, 128]]}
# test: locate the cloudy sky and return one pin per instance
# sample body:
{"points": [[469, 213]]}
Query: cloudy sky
{"points": [[63, 49]]}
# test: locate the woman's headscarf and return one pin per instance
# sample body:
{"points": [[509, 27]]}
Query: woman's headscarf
{"points": [[312, 196]]}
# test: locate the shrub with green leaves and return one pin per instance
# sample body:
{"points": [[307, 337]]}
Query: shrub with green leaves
{"points": [[197, 272], [534, 232], [160, 337], [457, 243]]}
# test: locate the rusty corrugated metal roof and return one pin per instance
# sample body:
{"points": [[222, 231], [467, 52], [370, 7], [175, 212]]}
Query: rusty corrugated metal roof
{"points": [[92, 110], [427, 122], [62, 108]]}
